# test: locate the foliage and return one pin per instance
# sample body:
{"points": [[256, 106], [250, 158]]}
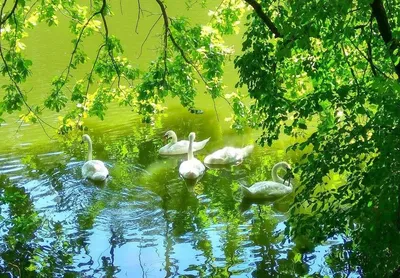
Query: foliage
{"points": [[187, 54], [329, 69], [324, 71], [21, 246]]}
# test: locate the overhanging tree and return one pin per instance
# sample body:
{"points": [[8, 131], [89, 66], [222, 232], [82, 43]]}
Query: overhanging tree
{"points": [[334, 65]]}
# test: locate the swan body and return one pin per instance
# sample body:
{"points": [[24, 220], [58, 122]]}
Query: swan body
{"points": [[179, 147], [228, 155], [271, 189], [192, 168], [93, 169]]}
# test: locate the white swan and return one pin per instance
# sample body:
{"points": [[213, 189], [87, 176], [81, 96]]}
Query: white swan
{"points": [[179, 147], [270, 189], [93, 169], [228, 155], [192, 168]]}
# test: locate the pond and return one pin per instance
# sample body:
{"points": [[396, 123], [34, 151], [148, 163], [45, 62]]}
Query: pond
{"points": [[145, 221]]}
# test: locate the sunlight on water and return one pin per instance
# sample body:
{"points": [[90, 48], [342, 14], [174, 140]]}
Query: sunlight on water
{"points": [[146, 222]]}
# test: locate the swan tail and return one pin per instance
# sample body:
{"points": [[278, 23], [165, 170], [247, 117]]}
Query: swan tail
{"points": [[191, 175], [247, 150], [99, 176], [203, 143], [246, 192], [208, 159]]}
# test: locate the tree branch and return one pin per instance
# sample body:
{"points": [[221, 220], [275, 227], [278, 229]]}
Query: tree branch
{"points": [[76, 47], [138, 16], [10, 13], [148, 35], [18, 89], [109, 50], [166, 32], [10, 73], [379, 12], [90, 81], [375, 68], [351, 69], [369, 50], [30, 9], [258, 9]]}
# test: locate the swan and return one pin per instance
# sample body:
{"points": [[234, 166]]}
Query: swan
{"points": [[228, 155], [269, 189], [179, 147], [93, 169], [192, 168]]}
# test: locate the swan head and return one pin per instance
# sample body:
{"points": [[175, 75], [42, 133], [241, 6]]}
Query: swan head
{"points": [[284, 165], [192, 136], [289, 173], [169, 135]]}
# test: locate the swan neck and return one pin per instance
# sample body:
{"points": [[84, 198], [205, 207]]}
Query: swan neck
{"points": [[89, 150], [190, 150], [275, 176], [174, 139]]}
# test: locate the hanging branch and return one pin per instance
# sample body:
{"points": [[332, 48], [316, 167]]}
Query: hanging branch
{"points": [[351, 69], [369, 49], [10, 74], [366, 58], [89, 81], [30, 9], [68, 69], [110, 54], [148, 35], [379, 12], [174, 42], [168, 33], [140, 11], [8, 70], [264, 17], [100, 12], [10, 13]]}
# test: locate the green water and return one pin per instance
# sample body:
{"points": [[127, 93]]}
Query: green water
{"points": [[146, 221]]}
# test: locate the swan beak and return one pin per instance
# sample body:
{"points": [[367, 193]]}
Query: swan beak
{"points": [[82, 142], [165, 138], [289, 175]]}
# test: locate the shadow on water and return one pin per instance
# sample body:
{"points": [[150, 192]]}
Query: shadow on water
{"points": [[280, 204], [145, 220], [223, 166]]}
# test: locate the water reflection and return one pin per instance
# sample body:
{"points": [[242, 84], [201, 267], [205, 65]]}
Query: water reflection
{"points": [[147, 221]]}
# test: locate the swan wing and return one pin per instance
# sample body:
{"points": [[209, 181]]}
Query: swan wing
{"points": [[199, 145], [95, 170], [180, 147], [191, 169], [267, 189], [246, 151], [226, 155]]}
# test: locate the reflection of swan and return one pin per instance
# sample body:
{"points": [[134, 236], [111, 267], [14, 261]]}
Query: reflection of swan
{"points": [[228, 155], [269, 189], [93, 169], [179, 147], [191, 168]]}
